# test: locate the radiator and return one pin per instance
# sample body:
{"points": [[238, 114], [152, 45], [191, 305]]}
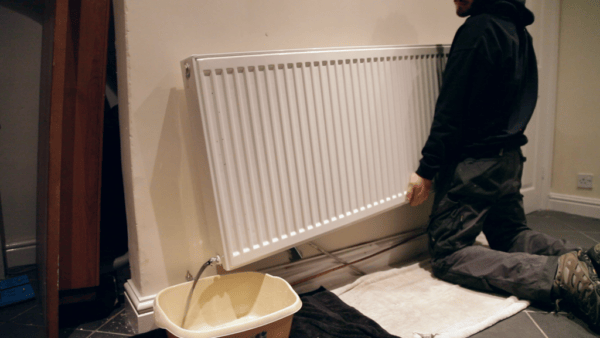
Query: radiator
{"points": [[295, 144]]}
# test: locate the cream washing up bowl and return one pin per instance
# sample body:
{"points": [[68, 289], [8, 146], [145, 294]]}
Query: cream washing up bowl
{"points": [[247, 304]]}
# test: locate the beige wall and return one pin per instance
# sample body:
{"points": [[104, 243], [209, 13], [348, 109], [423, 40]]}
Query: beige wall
{"points": [[165, 216], [577, 129], [20, 59]]}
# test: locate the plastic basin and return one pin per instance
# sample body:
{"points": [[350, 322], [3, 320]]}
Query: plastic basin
{"points": [[247, 304]]}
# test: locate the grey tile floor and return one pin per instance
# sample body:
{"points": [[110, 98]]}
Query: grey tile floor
{"points": [[84, 320]]}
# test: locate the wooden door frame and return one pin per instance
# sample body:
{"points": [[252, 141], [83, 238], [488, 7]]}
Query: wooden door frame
{"points": [[72, 83], [551, 12], [537, 195]]}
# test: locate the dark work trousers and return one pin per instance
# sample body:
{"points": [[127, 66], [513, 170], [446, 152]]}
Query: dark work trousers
{"points": [[483, 194]]}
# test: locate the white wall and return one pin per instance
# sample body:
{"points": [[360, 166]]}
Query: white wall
{"points": [[577, 129], [166, 233], [21, 41]]}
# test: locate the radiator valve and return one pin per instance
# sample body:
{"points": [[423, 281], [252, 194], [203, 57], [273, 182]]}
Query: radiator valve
{"points": [[215, 260]]}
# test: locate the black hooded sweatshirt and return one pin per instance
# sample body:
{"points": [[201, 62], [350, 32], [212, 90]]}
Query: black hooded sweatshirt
{"points": [[489, 88]]}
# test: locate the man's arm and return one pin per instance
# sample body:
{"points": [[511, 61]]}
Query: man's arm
{"points": [[446, 130], [466, 73], [446, 133]]}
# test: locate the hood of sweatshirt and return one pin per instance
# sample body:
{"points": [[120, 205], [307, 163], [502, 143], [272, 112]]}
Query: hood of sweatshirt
{"points": [[514, 10]]}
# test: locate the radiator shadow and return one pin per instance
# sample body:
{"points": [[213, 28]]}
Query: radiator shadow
{"points": [[165, 191]]}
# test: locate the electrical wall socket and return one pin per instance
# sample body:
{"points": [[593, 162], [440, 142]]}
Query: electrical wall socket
{"points": [[584, 181]]}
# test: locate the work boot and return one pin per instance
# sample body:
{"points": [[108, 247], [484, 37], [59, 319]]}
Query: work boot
{"points": [[594, 254], [579, 285]]}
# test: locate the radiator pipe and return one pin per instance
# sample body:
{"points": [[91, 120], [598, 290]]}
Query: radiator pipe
{"points": [[423, 232], [336, 258]]}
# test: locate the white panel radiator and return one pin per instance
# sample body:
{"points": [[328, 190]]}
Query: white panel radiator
{"points": [[299, 143]]}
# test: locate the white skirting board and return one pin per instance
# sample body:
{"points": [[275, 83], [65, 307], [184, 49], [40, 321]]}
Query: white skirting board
{"points": [[141, 322], [582, 206], [21, 253], [141, 305]]}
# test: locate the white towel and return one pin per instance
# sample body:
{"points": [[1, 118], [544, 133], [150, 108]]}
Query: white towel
{"points": [[410, 302]]}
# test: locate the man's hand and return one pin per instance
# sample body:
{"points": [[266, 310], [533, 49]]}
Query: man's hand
{"points": [[418, 189]]}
